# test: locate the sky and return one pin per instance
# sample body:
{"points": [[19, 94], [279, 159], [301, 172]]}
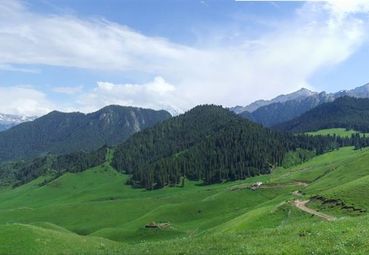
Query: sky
{"points": [[82, 55]]}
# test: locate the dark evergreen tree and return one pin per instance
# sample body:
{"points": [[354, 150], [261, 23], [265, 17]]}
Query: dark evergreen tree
{"points": [[211, 144]]}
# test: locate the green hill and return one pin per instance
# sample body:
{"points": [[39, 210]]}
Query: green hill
{"points": [[79, 204], [20, 172], [50, 239], [208, 143], [61, 133], [345, 112], [94, 212]]}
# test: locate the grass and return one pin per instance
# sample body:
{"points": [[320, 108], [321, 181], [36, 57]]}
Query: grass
{"points": [[347, 236], [94, 212], [31, 239], [342, 132]]}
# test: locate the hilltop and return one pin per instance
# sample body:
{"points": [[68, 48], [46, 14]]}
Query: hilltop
{"points": [[211, 144]]}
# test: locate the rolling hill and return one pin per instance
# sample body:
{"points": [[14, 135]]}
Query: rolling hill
{"points": [[208, 143], [79, 203], [61, 133], [345, 112], [17, 173], [94, 212]]}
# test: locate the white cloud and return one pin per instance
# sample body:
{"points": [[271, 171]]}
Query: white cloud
{"points": [[156, 94], [319, 35], [6, 67], [24, 101], [346, 7], [68, 90], [28, 38]]}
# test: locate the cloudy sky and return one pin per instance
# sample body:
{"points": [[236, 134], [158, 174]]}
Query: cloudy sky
{"points": [[174, 54]]}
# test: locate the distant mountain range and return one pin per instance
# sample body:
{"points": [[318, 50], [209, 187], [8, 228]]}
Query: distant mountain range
{"points": [[287, 107], [298, 95], [60, 133], [344, 112], [8, 120]]}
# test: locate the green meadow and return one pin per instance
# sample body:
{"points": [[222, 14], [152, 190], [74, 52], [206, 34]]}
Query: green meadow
{"points": [[342, 132], [95, 212]]}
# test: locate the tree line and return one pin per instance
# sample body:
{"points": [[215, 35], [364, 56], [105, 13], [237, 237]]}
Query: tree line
{"points": [[21, 172], [212, 145]]}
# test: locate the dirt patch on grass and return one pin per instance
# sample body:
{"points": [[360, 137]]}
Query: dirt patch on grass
{"points": [[302, 206], [301, 183], [297, 193], [158, 225]]}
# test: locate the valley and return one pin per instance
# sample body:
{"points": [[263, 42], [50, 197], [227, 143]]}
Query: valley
{"points": [[95, 212], [184, 127]]}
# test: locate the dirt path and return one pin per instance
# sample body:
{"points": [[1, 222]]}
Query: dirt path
{"points": [[299, 183], [302, 206], [297, 193]]}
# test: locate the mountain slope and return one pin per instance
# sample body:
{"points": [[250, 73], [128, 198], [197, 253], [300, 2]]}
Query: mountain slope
{"points": [[287, 107], [297, 95], [207, 143], [60, 133], [275, 113], [359, 92], [344, 112], [90, 207]]}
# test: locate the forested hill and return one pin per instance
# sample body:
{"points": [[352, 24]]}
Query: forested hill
{"points": [[61, 133], [207, 143], [51, 166], [345, 112]]}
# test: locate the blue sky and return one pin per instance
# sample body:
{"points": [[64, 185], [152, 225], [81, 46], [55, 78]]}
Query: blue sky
{"points": [[174, 54]]}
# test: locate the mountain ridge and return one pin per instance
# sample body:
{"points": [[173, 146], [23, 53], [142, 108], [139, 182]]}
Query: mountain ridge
{"points": [[345, 112], [297, 95], [287, 107], [60, 132], [360, 91]]}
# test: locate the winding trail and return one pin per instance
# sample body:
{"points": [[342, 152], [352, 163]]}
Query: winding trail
{"points": [[302, 206]]}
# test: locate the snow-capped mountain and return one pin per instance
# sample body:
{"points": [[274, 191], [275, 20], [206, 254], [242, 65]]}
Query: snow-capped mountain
{"points": [[297, 95], [286, 107], [359, 92], [10, 120]]}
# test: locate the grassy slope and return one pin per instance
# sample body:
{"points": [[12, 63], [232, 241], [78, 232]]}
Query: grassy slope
{"points": [[336, 131], [49, 239], [348, 236], [225, 217]]}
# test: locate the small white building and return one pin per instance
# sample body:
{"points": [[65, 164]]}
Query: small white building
{"points": [[256, 185]]}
